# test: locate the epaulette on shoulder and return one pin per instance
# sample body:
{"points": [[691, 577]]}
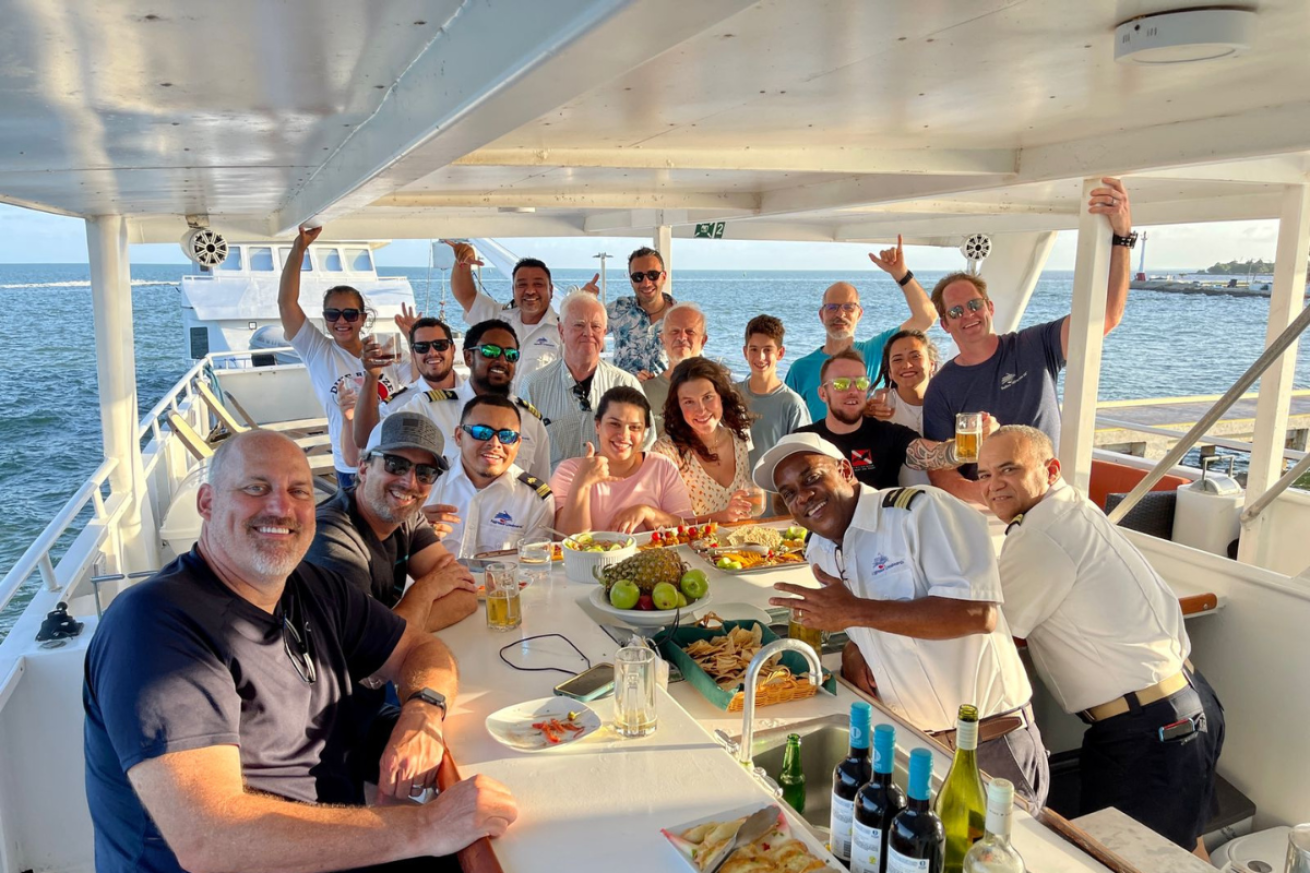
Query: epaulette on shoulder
{"points": [[1014, 522], [528, 406], [396, 395], [442, 394], [900, 498], [542, 489]]}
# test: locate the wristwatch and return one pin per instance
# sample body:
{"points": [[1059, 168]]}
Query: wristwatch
{"points": [[906, 279], [1127, 241], [427, 695]]}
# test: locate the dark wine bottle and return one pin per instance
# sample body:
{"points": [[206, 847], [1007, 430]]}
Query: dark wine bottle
{"points": [[916, 843], [853, 771], [876, 804]]}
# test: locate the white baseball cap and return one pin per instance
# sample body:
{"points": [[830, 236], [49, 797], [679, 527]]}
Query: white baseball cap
{"points": [[792, 444]]}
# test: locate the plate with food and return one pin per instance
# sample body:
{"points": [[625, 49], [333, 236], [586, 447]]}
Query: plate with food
{"points": [[682, 535], [738, 560], [781, 847], [586, 552], [542, 725]]}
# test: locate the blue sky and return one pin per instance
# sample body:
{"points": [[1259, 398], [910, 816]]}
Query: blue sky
{"points": [[28, 237]]}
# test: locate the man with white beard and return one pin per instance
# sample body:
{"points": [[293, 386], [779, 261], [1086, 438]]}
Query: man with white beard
{"points": [[684, 336]]}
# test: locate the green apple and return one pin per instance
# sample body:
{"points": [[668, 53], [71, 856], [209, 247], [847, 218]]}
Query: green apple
{"points": [[682, 600], [795, 532], [695, 584], [665, 596], [624, 594], [724, 563]]}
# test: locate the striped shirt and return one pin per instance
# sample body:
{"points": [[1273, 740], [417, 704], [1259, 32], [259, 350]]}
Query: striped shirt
{"points": [[569, 425]]}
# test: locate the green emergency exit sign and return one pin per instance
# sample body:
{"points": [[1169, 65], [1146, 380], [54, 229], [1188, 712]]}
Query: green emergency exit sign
{"points": [[710, 230]]}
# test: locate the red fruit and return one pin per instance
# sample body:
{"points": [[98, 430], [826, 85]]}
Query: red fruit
{"points": [[645, 602], [682, 530]]}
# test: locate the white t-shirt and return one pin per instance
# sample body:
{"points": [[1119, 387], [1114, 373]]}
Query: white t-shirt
{"points": [[539, 344], [1099, 620], [330, 366], [938, 547], [497, 517], [912, 417]]}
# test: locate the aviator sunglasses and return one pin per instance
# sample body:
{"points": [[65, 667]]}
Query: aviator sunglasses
{"points": [[397, 465], [845, 383], [436, 345], [487, 350], [973, 305], [350, 315], [484, 432], [649, 276]]}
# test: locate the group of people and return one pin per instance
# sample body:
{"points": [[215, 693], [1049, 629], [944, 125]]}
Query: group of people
{"points": [[239, 703]]}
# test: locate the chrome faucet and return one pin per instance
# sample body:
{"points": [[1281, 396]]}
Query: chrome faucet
{"points": [[752, 677]]}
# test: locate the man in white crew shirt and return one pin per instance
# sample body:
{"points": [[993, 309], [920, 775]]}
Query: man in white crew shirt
{"points": [[910, 575], [491, 352], [1106, 635], [566, 392], [486, 502], [530, 314]]}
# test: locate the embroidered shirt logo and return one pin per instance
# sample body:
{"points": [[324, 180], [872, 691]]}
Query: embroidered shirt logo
{"points": [[882, 563], [544, 341], [862, 458], [1011, 379], [503, 518]]}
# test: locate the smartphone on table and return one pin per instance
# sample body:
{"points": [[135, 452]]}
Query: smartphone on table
{"points": [[589, 684]]}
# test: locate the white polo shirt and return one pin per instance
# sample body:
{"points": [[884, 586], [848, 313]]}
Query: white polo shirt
{"points": [[937, 547], [1099, 620], [445, 408], [497, 517], [539, 344]]}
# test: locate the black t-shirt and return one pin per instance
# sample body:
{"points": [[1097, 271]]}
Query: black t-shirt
{"points": [[876, 451], [180, 662], [346, 544]]}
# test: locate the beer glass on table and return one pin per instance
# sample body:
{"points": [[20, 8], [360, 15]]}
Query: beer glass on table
{"points": [[504, 608], [968, 436], [635, 679]]}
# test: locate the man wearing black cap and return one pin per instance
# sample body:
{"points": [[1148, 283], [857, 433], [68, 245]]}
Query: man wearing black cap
{"points": [[375, 535]]}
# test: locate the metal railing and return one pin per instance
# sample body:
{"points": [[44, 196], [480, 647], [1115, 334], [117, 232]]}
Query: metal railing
{"points": [[1222, 442]]}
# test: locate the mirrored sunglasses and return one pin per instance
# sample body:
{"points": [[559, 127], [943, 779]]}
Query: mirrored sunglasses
{"points": [[483, 433], [845, 383], [487, 350], [973, 305]]}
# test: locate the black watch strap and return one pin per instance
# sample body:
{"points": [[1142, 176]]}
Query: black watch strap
{"points": [[1126, 241], [906, 279], [427, 695]]}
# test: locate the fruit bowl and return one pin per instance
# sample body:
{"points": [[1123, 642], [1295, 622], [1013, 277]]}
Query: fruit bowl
{"points": [[649, 617], [579, 564]]}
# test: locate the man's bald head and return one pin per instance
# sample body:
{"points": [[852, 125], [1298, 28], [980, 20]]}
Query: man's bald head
{"points": [[841, 311], [231, 453], [1016, 466]]}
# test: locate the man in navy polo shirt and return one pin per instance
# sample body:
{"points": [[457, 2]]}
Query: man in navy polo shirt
{"points": [[220, 708]]}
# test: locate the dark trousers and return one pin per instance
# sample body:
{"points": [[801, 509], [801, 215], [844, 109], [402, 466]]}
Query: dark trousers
{"points": [[1167, 785], [1019, 756]]}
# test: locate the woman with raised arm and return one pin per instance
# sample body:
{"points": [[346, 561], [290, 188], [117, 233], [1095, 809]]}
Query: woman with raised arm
{"points": [[615, 485], [707, 434]]}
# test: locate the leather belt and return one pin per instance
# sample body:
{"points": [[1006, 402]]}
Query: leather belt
{"points": [[993, 727], [1159, 691]]}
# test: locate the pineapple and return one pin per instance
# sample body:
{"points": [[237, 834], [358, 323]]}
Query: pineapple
{"points": [[645, 569]]}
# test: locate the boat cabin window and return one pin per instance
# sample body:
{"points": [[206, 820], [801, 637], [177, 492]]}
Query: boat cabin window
{"points": [[285, 252], [261, 259], [330, 261], [360, 260], [232, 264]]}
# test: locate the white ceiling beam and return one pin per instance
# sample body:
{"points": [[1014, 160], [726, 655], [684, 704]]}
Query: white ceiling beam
{"points": [[1281, 170], [480, 79], [831, 159], [964, 207], [862, 191], [577, 197]]}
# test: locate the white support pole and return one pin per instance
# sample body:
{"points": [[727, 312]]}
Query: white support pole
{"points": [[1086, 331], [664, 245], [1285, 304], [111, 301]]}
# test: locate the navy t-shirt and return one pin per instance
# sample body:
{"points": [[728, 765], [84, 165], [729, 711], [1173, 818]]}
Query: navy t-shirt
{"points": [[876, 451], [1016, 385], [180, 662]]}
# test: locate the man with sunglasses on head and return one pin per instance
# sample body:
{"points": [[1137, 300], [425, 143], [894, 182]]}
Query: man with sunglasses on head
{"points": [[876, 449], [840, 314], [223, 730], [495, 504], [491, 352], [635, 321], [1013, 376], [530, 314]]}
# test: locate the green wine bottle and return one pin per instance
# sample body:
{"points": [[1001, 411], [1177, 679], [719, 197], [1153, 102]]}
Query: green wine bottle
{"points": [[792, 777], [961, 804]]}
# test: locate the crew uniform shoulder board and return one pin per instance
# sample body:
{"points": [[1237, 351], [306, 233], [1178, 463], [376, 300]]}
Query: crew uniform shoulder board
{"points": [[900, 498], [1014, 523], [396, 395], [523, 404], [442, 394], [542, 489]]}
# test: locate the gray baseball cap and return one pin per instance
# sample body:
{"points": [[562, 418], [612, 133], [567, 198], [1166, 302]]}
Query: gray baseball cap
{"points": [[407, 430]]}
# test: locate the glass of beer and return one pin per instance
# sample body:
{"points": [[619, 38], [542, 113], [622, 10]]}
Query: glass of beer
{"points": [[504, 608], [635, 680], [968, 436], [813, 637], [534, 561]]}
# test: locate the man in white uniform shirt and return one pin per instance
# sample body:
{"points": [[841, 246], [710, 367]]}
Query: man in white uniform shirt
{"points": [[491, 352], [486, 502], [530, 315], [1106, 635], [910, 575]]}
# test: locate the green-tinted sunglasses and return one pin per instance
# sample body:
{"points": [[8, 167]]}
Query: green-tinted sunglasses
{"points": [[487, 350]]}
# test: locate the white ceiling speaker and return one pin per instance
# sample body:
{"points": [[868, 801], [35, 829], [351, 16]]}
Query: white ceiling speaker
{"points": [[205, 247], [975, 249], [1184, 36]]}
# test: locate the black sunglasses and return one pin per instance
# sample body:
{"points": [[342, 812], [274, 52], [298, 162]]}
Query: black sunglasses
{"points": [[974, 305], [350, 315], [483, 433], [487, 350], [649, 275], [397, 465], [298, 648], [438, 345], [581, 393]]}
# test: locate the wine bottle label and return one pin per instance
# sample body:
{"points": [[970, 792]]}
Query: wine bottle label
{"points": [[898, 863], [866, 848], [843, 812]]}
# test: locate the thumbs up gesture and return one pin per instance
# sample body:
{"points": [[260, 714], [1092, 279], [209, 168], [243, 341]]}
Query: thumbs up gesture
{"points": [[593, 469]]}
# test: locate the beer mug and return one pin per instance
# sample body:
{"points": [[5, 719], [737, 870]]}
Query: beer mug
{"points": [[504, 608], [635, 679], [968, 436]]}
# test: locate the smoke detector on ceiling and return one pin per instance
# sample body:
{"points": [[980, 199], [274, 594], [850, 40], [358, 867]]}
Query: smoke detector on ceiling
{"points": [[1184, 36]]}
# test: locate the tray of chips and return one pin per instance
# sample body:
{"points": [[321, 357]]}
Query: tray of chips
{"points": [[783, 849]]}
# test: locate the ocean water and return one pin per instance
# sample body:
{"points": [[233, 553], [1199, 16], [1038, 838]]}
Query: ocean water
{"points": [[50, 442]]}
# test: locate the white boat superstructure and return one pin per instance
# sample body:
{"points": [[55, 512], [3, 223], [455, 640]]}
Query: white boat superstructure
{"points": [[829, 120]]}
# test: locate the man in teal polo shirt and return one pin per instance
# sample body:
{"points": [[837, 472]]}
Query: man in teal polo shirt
{"points": [[841, 313]]}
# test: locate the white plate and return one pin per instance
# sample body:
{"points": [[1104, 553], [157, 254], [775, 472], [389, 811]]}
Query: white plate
{"points": [[795, 830], [649, 617], [512, 726]]}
